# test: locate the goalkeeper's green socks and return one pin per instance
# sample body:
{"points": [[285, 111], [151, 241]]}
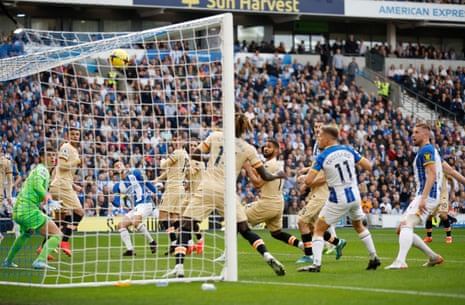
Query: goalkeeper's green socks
{"points": [[49, 246], [17, 245]]}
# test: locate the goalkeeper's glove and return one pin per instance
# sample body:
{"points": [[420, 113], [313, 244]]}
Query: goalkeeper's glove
{"points": [[53, 205]]}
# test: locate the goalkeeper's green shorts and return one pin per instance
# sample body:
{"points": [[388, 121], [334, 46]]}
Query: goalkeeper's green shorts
{"points": [[32, 219]]}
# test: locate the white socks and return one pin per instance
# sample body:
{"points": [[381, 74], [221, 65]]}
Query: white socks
{"points": [[318, 245], [143, 229], [420, 244], [367, 240], [126, 238], [405, 243]]}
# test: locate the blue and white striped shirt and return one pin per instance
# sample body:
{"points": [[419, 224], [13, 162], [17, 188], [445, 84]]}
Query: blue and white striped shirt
{"points": [[427, 155], [135, 188], [338, 163]]}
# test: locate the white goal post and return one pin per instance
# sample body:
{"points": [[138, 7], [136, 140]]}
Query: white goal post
{"points": [[179, 80]]}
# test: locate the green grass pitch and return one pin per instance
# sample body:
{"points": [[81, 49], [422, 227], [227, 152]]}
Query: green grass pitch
{"points": [[340, 282]]}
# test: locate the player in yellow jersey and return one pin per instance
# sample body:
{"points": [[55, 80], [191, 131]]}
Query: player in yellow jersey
{"points": [[269, 208], [6, 176], [210, 193], [62, 187], [443, 208], [175, 166], [193, 177]]}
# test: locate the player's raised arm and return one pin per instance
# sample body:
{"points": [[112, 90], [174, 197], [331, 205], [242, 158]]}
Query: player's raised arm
{"points": [[303, 170], [312, 177], [265, 175], [255, 178], [317, 179], [450, 171], [365, 164]]}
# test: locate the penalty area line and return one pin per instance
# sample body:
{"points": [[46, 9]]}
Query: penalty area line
{"points": [[381, 290]]}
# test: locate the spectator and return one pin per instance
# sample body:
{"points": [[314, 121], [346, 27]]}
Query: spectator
{"points": [[338, 62], [352, 70], [366, 204], [375, 210], [351, 46], [325, 52], [89, 207], [385, 205], [292, 213], [281, 48], [301, 47], [397, 210]]}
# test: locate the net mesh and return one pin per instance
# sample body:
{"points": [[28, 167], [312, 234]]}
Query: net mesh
{"points": [[172, 84]]}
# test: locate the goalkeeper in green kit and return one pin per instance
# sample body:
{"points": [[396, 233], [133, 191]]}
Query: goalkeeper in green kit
{"points": [[28, 215]]}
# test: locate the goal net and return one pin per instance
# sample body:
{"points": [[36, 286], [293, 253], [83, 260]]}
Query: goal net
{"points": [[130, 95]]}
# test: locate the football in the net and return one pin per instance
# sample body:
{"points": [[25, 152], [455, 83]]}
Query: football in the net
{"points": [[119, 58]]}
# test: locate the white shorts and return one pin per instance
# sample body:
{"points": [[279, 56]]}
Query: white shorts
{"points": [[412, 208], [143, 209], [332, 212]]}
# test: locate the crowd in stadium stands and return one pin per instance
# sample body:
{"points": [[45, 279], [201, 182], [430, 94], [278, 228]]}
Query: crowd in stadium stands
{"points": [[11, 45], [139, 128], [353, 47], [444, 86], [14, 44]]}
